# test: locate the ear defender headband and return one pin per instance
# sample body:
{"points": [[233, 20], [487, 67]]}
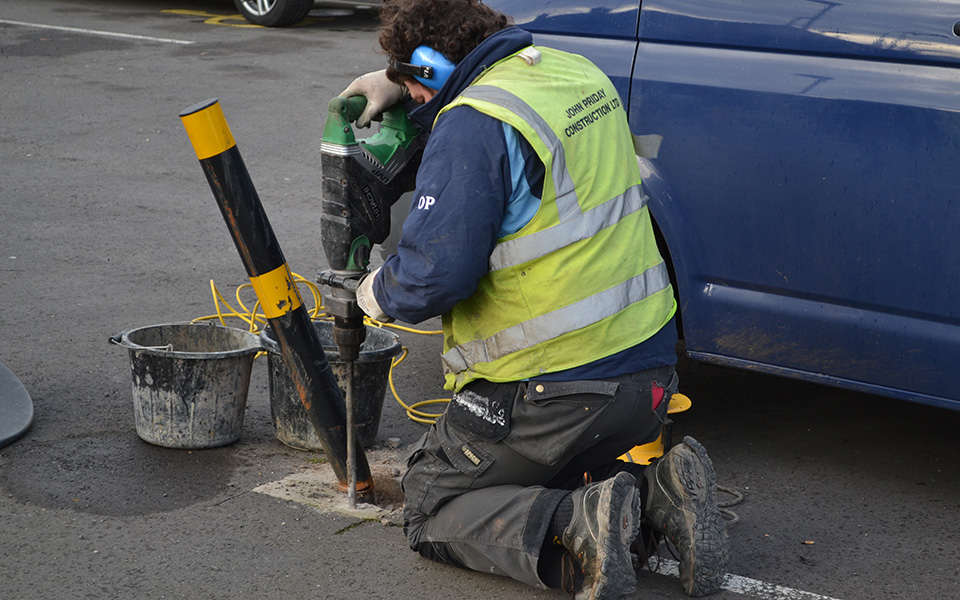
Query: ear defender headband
{"points": [[427, 66]]}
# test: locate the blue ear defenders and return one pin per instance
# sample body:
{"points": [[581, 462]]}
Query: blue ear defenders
{"points": [[427, 66]]}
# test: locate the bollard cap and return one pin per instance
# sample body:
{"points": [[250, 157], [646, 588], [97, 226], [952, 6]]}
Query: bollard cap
{"points": [[207, 129]]}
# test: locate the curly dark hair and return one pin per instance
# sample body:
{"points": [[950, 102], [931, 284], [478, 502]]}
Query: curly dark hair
{"points": [[451, 27]]}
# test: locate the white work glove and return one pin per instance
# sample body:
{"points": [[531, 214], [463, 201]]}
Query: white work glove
{"points": [[380, 92], [368, 302]]}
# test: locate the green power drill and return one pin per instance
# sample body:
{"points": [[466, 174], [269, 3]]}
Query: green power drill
{"points": [[361, 181]]}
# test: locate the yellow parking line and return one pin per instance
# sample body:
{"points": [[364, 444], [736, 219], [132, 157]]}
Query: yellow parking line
{"points": [[212, 19], [236, 20]]}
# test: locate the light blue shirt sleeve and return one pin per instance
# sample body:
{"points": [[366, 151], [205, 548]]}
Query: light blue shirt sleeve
{"points": [[522, 204]]}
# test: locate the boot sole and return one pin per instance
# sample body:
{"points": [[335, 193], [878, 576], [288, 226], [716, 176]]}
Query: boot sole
{"points": [[617, 577], [704, 572]]}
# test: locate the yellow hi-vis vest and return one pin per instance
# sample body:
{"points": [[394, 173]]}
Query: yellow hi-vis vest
{"points": [[583, 279]]}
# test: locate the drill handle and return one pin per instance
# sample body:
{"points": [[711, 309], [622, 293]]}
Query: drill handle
{"points": [[341, 281], [341, 112]]}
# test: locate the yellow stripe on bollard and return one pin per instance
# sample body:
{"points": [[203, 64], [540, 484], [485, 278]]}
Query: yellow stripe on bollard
{"points": [[207, 128], [277, 292]]}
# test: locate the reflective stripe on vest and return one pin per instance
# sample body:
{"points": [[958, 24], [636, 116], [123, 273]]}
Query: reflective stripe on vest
{"points": [[563, 320], [520, 250]]}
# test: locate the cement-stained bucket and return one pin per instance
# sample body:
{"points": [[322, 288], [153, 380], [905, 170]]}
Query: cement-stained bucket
{"points": [[292, 426], [190, 382]]}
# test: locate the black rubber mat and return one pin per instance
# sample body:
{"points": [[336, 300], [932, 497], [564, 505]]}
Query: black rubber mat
{"points": [[16, 407]]}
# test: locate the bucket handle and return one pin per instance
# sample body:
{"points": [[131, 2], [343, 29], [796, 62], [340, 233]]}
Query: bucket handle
{"points": [[117, 340], [269, 344]]}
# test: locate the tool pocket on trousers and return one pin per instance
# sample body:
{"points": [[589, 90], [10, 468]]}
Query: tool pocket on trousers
{"points": [[552, 417], [442, 466], [463, 451]]}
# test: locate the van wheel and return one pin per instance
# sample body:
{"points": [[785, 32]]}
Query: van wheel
{"points": [[274, 13]]}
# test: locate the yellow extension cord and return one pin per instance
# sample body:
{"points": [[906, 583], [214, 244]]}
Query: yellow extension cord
{"points": [[254, 318]]}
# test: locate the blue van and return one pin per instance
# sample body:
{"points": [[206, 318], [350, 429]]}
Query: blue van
{"points": [[807, 185]]}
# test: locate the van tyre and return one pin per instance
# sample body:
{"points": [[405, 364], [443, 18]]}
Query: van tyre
{"points": [[274, 13]]}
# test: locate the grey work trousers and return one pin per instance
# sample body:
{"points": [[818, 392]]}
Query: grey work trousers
{"points": [[481, 495]]}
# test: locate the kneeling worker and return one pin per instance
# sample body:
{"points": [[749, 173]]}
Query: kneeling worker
{"points": [[530, 234]]}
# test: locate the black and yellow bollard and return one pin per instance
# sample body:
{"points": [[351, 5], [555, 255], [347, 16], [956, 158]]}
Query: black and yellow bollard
{"points": [[271, 278]]}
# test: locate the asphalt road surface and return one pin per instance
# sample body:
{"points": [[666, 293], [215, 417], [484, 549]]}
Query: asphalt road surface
{"points": [[107, 224]]}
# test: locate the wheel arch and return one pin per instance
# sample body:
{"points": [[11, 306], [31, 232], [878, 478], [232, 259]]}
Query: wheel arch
{"points": [[667, 224]]}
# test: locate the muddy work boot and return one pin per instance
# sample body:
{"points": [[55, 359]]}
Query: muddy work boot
{"points": [[606, 516], [682, 506]]}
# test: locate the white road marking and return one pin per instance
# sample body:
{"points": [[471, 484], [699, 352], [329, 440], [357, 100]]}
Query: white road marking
{"points": [[742, 585], [129, 36], [316, 486]]}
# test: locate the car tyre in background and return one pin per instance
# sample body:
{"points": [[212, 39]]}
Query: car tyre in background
{"points": [[274, 13]]}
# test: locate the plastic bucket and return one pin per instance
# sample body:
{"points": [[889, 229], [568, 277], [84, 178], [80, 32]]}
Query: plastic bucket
{"points": [[292, 426], [190, 382]]}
